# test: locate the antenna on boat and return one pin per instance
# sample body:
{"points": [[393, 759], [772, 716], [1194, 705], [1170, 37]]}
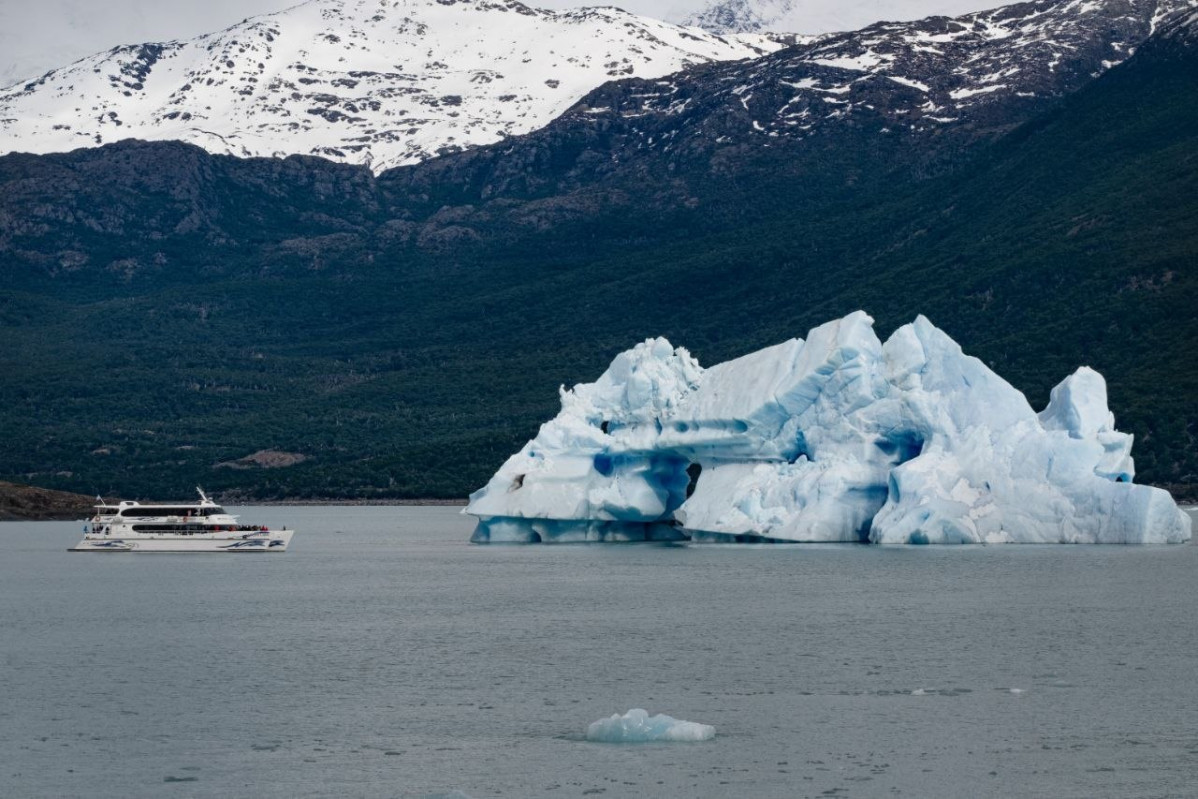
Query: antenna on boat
{"points": [[203, 496]]}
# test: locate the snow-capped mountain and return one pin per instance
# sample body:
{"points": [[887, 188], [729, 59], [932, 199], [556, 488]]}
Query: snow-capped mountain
{"points": [[810, 17], [375, 82]]}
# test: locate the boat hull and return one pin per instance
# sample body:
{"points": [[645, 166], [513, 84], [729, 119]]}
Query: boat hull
{"points": [[273, 541]]}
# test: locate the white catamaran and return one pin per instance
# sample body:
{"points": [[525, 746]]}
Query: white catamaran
{"points": [[196, 527]]}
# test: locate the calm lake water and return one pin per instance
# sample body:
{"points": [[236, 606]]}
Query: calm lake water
{"points": [[384, 656]]}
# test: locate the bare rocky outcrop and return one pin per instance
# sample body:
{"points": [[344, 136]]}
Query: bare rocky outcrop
{"points": [[264, 459], [29, 503]]}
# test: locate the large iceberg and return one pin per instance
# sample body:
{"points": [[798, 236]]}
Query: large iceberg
{"points": [[836, 438]]}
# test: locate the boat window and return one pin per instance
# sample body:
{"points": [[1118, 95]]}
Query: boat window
{"points": [[182, 529], [158, 511]]}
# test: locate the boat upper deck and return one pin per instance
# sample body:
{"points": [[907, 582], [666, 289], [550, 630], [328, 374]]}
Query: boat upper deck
{"points": [[204, 509]]}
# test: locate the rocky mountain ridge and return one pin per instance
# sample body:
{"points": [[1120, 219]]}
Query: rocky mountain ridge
{"points": [[984, 71]]}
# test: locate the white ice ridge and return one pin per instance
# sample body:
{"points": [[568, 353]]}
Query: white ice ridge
{"points": [[836, 438], [637, 726]]}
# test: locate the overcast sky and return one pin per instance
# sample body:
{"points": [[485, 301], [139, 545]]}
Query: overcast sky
{"points": [[39, 35]]}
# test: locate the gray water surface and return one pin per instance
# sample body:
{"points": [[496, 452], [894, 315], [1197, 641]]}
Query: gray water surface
{"points": [[384, 656]]}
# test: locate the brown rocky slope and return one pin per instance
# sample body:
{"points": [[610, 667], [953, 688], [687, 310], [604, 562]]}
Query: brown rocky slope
{"points": [[28, 503]]}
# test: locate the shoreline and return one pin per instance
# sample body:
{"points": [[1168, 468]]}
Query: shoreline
{"points": [[348, 502], [79, 515]]}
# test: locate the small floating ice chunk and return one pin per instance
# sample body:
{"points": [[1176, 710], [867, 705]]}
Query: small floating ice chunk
{"points": [[637, 726], [919, 692], [1016, 690]]}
